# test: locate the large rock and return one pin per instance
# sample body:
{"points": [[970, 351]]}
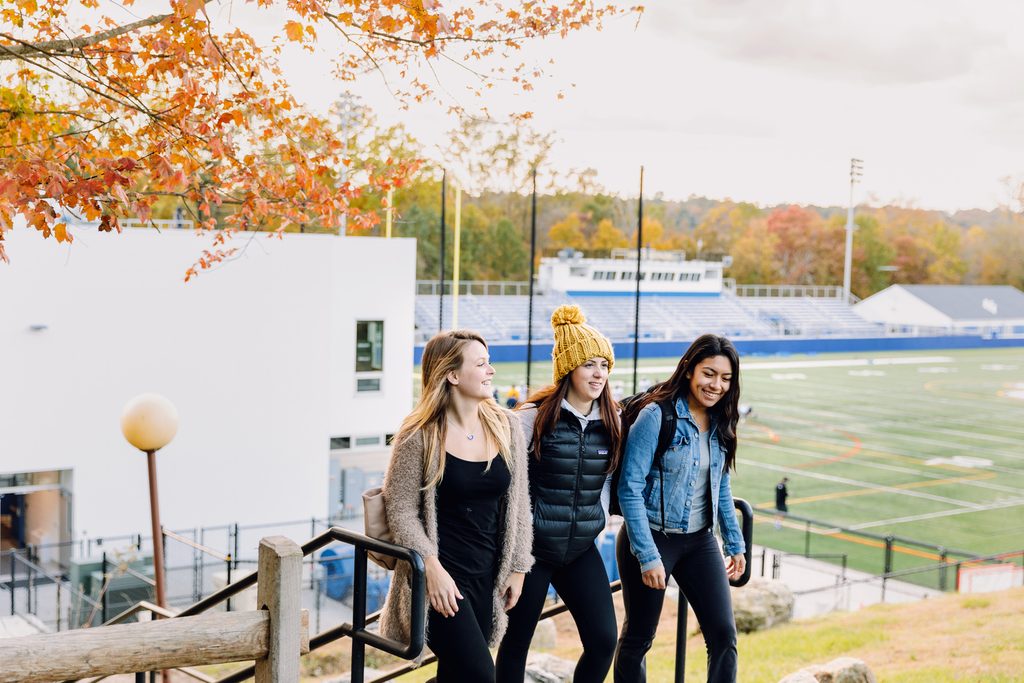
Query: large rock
{"points": [[546, 635], [545, 668], [840, 670], [761, 604]]}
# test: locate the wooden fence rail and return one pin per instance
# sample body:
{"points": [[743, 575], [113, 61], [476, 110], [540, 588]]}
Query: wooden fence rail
{"points": [[273, 636]]}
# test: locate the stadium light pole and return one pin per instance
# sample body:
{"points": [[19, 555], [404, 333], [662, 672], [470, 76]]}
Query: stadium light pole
{"points": [[856, 170], [440, 298], [529, 306]]}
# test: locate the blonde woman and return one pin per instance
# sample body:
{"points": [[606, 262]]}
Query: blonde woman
{"points": [[456, 491]]}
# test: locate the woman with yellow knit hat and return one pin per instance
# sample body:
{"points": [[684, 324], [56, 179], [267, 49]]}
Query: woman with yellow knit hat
{"points": [[572, 432]]}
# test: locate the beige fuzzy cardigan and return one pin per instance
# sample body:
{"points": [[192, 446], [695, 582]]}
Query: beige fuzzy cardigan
{"points": [[412, 516]]}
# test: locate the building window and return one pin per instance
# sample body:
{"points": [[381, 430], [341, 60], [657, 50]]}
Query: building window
{"points": [[368, 440], [369, 355], [369, 346], [340, 442]]}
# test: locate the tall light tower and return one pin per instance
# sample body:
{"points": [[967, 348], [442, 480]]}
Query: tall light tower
{"points": [[856, 170], [348, 110]]}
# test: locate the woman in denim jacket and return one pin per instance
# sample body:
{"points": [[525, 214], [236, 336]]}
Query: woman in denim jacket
{"points": [[670, 511]]}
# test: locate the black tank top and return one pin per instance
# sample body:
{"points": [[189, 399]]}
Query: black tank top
{"points": [[468, 504]]}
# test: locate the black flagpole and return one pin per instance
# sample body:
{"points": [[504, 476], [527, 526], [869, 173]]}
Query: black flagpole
{"points": [[639, 252], [533, 252]]}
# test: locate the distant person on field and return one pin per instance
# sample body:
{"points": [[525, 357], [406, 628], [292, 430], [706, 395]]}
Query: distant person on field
{"points": [[781, 494], [512, 399]]}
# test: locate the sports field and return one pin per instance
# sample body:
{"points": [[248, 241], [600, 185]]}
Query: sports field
{"points": [[922, 445]]}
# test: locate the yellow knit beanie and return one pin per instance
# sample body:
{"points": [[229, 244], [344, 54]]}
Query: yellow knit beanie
{"points": [[576, 342]]}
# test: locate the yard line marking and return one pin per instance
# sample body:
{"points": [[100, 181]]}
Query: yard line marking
{"points": [[849, 453], [835, 533], [864, 484], [903, 487], [877, 452], [933, 515]]}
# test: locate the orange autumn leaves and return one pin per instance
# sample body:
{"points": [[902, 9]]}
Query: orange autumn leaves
{"points": [[103, 118]]}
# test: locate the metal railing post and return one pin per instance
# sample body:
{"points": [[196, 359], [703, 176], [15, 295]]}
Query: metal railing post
{"points": [[104, 589], [359, 615], [228, 581], [943, 579], [13, 567], [807, 539], [680, 676], [888, 554]]}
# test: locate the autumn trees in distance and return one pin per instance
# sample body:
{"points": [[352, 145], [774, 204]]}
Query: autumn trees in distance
{"points": [[776, 245], [107, 108]]}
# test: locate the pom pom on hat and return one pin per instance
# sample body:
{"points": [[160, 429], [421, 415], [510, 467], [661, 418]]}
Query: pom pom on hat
{"points": [[567, 315], [576, 342]]}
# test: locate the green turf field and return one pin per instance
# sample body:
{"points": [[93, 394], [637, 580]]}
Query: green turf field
{"points": [[927, 445]]}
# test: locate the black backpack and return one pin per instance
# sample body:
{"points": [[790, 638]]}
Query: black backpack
{"points": [[630, 411]]}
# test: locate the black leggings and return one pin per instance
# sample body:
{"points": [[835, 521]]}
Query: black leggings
{"points": [[696, 564], [460, 642], [583, 587]]}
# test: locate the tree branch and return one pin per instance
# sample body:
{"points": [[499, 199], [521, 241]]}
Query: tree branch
{"points": [[70, 45]]}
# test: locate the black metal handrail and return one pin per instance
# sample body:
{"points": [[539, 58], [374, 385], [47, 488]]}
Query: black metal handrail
{"points": [[357, 629]]}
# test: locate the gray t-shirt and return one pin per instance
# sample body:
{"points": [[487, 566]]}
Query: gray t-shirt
{"points": [[700, 512]]}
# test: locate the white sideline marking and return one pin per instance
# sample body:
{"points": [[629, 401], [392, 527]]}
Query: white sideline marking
{"points": [[866, 373], [865, 485], [784, 376], [997, 367], [783, 364], [960, 461], [936, 370], [934, 515]]}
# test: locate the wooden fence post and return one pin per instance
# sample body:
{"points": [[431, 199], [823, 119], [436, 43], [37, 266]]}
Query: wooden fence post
{"points": [[280, 572]]}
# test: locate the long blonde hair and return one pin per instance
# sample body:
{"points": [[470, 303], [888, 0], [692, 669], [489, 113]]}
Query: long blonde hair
{"points": [[443, 354]]}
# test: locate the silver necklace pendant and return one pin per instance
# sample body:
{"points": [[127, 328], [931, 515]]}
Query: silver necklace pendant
{"points": [[470, 436]]}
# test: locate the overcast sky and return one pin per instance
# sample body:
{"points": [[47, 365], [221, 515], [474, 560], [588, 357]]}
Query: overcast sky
{"points": [[767, 100]]}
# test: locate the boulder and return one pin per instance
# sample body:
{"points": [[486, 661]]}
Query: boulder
{"points": [[545, 668], [546, 635], [839, 670], [761, 604]]}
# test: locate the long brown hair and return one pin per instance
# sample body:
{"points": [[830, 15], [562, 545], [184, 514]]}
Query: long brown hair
{"points": [[725, 414], [443, 354], [549, 405]]}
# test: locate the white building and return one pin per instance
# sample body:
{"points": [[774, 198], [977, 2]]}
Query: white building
{"points": [[987, 310], [665, 273], [292, 361]]}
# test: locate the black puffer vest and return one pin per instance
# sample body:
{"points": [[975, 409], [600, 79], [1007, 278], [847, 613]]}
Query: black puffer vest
{"points": [[565, 486]]}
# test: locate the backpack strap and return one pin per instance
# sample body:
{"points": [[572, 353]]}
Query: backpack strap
{"points": [[666, 433]]}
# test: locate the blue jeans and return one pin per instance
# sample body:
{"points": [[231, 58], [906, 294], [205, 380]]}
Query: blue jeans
{"points": [[696, 563]]}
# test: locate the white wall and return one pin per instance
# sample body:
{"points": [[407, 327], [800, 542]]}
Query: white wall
{"points": [[896, 306], [257, 355]]}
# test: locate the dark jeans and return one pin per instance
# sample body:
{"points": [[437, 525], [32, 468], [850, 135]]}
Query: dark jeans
{"points": [[696, 564], [583, 587], [460, 642]]}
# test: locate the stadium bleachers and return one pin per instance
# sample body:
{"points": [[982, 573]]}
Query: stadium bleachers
{"points": [[504, 318]]}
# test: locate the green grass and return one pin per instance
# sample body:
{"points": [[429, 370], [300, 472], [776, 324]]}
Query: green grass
{"points": [[855, 441]]}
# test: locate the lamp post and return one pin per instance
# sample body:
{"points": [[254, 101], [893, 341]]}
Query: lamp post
{"points": [[149, 422]]}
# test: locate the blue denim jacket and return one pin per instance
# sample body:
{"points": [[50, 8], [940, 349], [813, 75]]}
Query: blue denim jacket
{"points": [[640, 484]]}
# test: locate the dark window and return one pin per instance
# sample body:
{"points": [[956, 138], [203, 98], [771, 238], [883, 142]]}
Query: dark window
{"points": [[370, 346], [368, 384], [340, 442]]}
